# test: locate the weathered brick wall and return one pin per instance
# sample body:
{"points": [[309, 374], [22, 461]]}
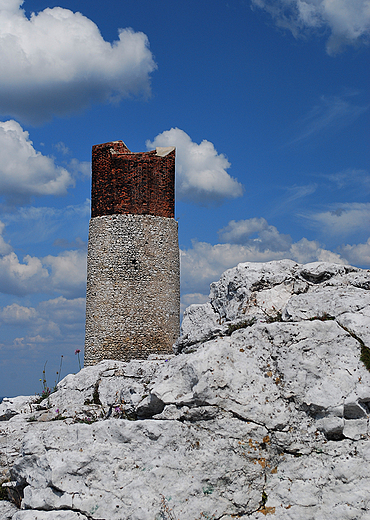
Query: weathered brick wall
{"points": [[133, 267], [132, 183], [133, 289]]}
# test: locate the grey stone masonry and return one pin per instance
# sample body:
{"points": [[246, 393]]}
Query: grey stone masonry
{"points": [[133, 287]]}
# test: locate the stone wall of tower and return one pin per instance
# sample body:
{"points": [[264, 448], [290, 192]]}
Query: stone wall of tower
{"points": [[133, 268]]}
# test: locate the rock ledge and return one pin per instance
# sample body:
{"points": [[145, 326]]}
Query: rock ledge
{"points": [[263, 411]]}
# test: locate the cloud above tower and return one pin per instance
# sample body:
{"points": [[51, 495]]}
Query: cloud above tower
{"points": [[24, 171], [57, 62], [201, 175]]}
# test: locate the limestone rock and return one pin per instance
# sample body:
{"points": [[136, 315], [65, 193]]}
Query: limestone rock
{"points": [[7, 510], [265, 410]]}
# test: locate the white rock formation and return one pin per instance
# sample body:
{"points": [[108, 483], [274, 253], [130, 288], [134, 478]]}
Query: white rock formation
{"points": [[263, 411]]}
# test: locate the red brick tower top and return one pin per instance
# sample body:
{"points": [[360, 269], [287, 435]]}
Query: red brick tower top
{"points": [[136, 183]]}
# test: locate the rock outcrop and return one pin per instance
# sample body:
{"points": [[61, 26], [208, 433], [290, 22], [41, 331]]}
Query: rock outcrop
{"points": [[263, 411]]}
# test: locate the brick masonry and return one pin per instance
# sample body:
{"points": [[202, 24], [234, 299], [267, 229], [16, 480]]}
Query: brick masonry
{"points": [[132, 183], [133, 267]]}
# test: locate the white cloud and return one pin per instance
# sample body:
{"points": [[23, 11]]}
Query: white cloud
{"points": [[239, 232], [4, 246], [188, 299], [65, 273], [331, 113], [203, 263], [15, 314], [342, 219], [201, 175], [57, 62], [351, 178], [358, 254], [21, 278], [45, 223], [23, 170], [298, 192], [68, 272], [56, 319], [347, 20]]}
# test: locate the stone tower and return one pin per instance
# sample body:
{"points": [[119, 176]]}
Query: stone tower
{"points": [[133, 268]]}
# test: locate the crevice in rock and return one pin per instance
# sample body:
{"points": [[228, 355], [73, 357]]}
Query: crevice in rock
{"points": [[335, 435], [365, 351], [8, 415], [15, 491], [247, 420], [365, 403], [355, 411], [316, 278]]}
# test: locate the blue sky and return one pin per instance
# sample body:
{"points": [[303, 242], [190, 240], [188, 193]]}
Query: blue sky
{"points": [[267, 102]]}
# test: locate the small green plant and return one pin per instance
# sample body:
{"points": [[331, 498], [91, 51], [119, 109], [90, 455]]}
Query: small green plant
{"points": [[365, 351], [86, 420], [32, 419], [59, 416], [208, 490], [365, 356], [46, 390]]}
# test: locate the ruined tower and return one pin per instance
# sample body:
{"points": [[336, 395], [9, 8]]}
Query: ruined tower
{"points": [[133, 271]]}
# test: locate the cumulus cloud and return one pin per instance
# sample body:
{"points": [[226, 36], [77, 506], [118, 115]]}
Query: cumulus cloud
{"points": [[342, 219], [190, 298], [203, 263], [50, 320], [4, 246], [347, 20], [24, 171], [201, 175], [15, 314], [57, 62], [239, 232], [65, 273], [358, 254]]}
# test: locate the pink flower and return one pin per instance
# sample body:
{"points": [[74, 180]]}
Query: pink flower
{"points": [[77, 351]]}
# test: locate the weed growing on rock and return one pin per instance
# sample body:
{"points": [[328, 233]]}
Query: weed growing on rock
{"points": [[46, 391], [86, 420], [59, 416], [365, 356], [263, 509], [365, 351]]}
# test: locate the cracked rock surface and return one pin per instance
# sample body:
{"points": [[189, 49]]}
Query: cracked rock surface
{"points": [[264, 411]]}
